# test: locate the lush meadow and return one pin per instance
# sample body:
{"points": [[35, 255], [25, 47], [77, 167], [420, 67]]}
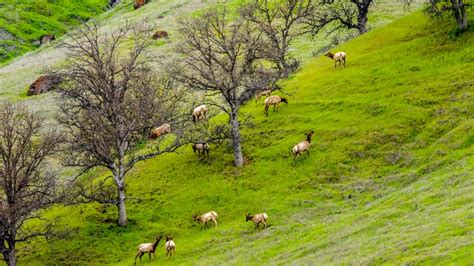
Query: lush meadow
{"points": [[389, 178]]}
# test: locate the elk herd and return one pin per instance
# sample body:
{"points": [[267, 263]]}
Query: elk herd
{"points": [[202, 150], [209, 217], [199, 114]]}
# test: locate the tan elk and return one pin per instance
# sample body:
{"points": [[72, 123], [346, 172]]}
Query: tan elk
{"points": [[339, 57], [274, 100], [303, 146], [257, 219], [149, 248], [207, 217]]}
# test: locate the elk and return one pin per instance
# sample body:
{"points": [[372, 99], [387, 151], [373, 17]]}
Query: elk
{"points": [[303, 146], [161, 130], [199, 113], [170, 246], [202, 149], [274, 100], [149, 248], [257, 219], [337, 57], [207, 217]]}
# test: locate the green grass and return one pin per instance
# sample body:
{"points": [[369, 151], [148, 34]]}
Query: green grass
{"points": [[26, 21], [389, 179]]}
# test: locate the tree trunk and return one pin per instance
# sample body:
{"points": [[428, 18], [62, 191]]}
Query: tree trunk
{"points": [[460, 14], [362, 26], [121, 204], [9, 254], [236, 145], [363, 8], [11, 260], [362, 22]]}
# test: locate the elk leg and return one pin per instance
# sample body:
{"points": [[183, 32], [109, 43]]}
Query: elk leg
{"points": [[136, 256], [215, 223]]}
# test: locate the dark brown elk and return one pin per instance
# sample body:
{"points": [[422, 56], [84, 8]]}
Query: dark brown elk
{"points": [[160, 34], [139, 3]]}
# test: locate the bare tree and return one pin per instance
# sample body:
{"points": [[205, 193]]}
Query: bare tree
{"points": [[222, 59], [347, 14], [25, 185], [280, 22], [110, 101]]}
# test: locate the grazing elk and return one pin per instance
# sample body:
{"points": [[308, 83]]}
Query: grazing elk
{"points": [[199, 113], [160, 34], [257, 219], [274, 100], [202, 149], [159, 131], [337, 57], [207, 217]]}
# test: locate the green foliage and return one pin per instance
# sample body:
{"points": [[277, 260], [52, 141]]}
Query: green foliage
{"points": [[389, 179], [24, 22]]}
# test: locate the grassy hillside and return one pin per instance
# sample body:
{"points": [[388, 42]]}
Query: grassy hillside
{"points": [[389, 178], [18, 74], [24, 22]]}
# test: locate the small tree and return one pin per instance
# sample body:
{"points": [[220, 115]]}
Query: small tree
{"points": [[458, 9], [279, 21], [25, 186], [110, 101], [221, 58]]}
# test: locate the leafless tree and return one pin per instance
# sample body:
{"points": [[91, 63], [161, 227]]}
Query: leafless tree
{"points": [[280, 22], [110, 100], [222, 59], [26, 187], [341, 14]]}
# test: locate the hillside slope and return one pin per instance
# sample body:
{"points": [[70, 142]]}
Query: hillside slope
{"points": [[22, 23], [18, 74], [389, 178]]}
